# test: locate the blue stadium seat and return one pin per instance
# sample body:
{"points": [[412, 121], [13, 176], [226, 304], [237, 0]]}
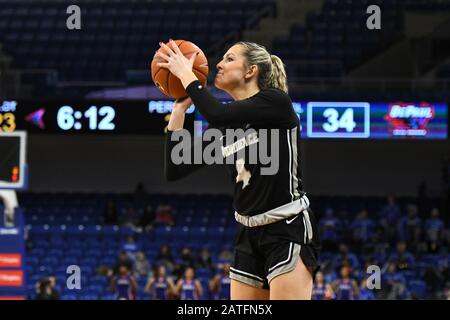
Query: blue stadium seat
{"points": [[418, 288]]}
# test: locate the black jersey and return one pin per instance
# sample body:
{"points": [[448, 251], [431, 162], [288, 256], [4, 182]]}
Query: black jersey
{"points": [[254, 193]]}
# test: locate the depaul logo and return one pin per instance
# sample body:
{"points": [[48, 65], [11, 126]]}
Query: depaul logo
{"points": [[409, 119]]}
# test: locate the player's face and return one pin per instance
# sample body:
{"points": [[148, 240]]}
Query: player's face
{"points": [[231, 69], [123, 270], [319, 277], [189, 274], [345, 272]]}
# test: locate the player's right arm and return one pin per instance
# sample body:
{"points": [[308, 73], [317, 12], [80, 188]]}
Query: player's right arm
{"points": [[173, 171], [177, 290], [176, 121], [172, 290]]}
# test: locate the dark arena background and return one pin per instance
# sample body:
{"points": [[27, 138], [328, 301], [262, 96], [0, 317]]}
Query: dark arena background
{"points": [[82, 131]]}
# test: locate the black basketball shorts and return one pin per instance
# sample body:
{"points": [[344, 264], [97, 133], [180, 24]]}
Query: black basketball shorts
{"points": [[264, 252]]}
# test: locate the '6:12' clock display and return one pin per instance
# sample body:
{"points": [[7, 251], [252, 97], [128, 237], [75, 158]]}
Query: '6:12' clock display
{"points": [[98, 118]]}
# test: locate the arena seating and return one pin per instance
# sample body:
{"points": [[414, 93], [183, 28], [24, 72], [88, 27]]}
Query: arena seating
{"points": [[116, 35], [66, 229], [335, 40]]}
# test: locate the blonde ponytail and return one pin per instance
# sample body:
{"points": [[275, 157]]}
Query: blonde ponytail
{"points": [[278, 79]]}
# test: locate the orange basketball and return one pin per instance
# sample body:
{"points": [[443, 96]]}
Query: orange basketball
{"points": [[169, 84]]}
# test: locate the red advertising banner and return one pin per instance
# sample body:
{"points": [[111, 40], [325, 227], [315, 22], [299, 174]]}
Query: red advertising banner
{"points": [[11, 278], [10, 260]]}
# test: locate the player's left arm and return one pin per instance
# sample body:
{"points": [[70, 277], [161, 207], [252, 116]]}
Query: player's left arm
{"points": [[268, 107]]}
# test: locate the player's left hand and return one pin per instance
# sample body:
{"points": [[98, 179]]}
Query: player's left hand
{"points": [[176, 62]]}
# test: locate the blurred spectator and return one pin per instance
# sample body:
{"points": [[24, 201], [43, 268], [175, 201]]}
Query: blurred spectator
{"points": [[130, 247], [345, 287], [204, 259], [142, 266], [321, 290], [380, 234], [130, 218], [147, 218], [389, 216], [219, 285], [345, 257], [391, 276], [46, 289], [434, 278], [402, 258], [189, 288], [410, 226], [165, 257], [434, 226], [124, 285], [365, 293], [393, 284], [225, 255], [362, 228], [380, 255], [330, 227], [160, 286], [443, 263], [110, 214], [187, 258], [123, 260], [164, 215]]}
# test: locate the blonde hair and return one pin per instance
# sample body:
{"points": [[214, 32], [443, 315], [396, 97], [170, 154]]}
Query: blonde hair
{"points": [[272, 73]]}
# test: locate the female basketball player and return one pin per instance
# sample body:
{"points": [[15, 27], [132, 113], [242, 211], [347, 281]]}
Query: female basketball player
{"points": [[277, 244], [189, 288], [345, 287], [124, 285], [160, 287], [321, 289]]}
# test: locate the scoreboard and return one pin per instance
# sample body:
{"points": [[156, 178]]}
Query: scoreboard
{"points": [[338, 120], [319, 120], [88, 117]]}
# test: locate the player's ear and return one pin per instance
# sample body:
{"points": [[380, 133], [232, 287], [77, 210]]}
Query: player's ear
{"points": [[251, 71]]}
